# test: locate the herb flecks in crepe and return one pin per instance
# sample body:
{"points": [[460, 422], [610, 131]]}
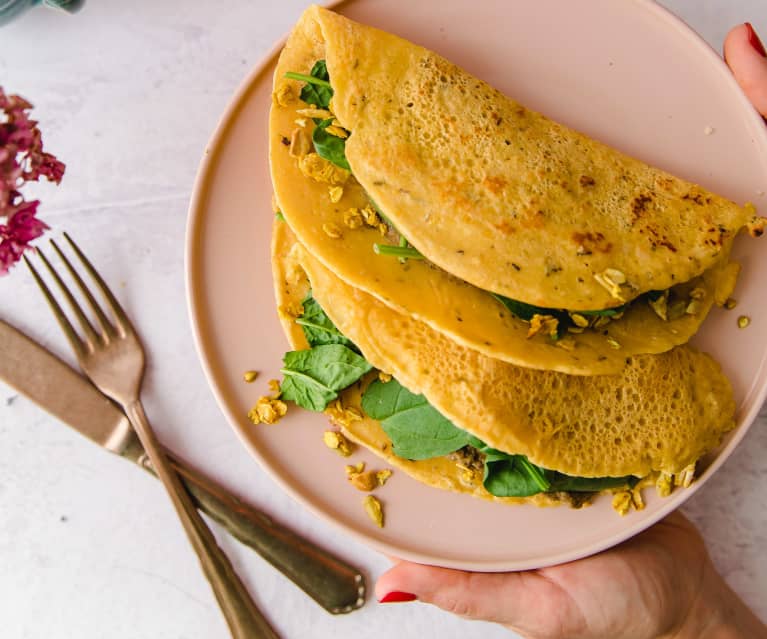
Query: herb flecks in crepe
{"points": [[467, 314], [418, 431], [660, 414], [477, 468], [477, 182]]}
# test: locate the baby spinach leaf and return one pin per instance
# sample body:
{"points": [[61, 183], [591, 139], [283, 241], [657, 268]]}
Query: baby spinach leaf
{"points": [[317, 90], [510, 475], [306, 391], [328, 146], [560, 482], [520, 309], [417, 430], [509, 478], [312, 378], [516, 476], [317, 326]]}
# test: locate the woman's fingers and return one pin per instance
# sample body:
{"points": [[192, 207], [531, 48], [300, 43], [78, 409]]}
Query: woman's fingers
{"points": [[746, 56], [512, 599]]}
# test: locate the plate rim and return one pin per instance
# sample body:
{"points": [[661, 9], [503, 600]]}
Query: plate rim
{"points": [[756, 394]]}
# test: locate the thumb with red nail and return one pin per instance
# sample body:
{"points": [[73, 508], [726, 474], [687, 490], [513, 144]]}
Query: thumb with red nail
{"points": [[746, 56], [660, 584]]}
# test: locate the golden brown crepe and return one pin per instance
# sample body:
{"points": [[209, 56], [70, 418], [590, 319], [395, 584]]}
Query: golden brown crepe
{"points": [[306, 187], [291, 286], [661, 414], [478, 183]]}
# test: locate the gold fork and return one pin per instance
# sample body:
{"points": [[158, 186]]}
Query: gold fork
{"points": [[113, 358]]}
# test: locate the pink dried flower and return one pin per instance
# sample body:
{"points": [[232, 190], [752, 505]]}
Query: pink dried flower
{"points": [[22, 160]]}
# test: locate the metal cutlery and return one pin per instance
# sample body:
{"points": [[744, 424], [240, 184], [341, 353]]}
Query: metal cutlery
{"points": [[112, 357], [42, 377]]}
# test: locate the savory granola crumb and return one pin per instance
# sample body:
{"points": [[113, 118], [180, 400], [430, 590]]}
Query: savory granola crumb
{"points": [[543, 323], [730, 303], [332, 230], [267, 410], [284, 95], [757, 225], [743, 321], [321, 170], [337, 131], [698, 293], [353, 218], [337, 442], [374, 510], [335, 193], [365, 481], [611, 279], [685, 478], [382, 476], [664, 485], [353, 469], [250, 376], [693, 308], [636, 498], [660, 305], [290, 311], [579, 320], [300, 143], [311, 112], [274, 386], [622, 502], [342, 415], [370, 216]]}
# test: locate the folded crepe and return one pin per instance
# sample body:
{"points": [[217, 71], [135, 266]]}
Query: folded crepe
{"points": [[516, 237], [654, 420]]}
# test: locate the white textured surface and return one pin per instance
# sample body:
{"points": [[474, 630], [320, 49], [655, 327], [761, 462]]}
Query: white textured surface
{"points": [[89, 547]]}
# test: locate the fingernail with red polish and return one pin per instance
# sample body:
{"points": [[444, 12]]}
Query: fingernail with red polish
{"points": [[754, 40], [395, 596]]}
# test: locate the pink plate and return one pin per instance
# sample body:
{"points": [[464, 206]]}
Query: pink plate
{"points": [[627, 73]]}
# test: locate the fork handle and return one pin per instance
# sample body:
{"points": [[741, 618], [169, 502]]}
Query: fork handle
{"points": [[245, 620]]}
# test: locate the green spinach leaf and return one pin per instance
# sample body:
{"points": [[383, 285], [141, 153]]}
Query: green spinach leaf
{"points": [[516, 476], [317, 326], [417, 430], [312, 378], [509, 478], [328, 146], [587, 484], [317, 90], [306, 391]]}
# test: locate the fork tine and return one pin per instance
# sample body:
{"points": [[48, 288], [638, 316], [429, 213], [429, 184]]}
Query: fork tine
{"points": [[106, 326], [91, 337], [123, 323], [74, 339]]}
